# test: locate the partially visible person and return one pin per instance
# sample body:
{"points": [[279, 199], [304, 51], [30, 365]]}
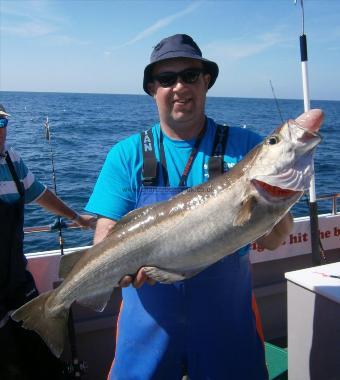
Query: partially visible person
{"points": [[23, 355]]}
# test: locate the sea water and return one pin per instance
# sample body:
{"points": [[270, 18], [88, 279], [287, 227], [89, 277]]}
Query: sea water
{"points": [[85, 126]]}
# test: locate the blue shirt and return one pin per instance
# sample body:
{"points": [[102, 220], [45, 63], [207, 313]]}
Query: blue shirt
{"points": [[120, 179], [8, 190]]}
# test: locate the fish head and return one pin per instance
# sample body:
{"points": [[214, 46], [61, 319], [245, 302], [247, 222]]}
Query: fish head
{"points": [[283, 164]]}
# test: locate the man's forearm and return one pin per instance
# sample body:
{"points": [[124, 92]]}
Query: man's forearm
{"points": [[103, 228], [52, 203]]}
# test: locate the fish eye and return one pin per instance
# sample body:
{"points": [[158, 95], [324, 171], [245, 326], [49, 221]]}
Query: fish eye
{"points": [[272, 140]]}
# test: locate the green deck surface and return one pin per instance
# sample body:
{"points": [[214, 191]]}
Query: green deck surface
{"points": [[277, 362]]}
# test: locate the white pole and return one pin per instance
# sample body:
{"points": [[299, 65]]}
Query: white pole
{"points": [[313, 210], [305, 85], [306, 102]]}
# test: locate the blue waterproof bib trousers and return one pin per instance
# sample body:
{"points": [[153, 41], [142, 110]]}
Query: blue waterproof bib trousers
{"points": [[204, 326]]}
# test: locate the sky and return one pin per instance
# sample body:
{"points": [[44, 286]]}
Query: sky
{"points": [[102, 46]]}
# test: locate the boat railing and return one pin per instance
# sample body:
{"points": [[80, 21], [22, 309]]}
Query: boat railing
{"points": [[50, 227], [333, 197]]}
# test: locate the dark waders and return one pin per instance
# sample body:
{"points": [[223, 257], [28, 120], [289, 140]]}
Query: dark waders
{"points": [[23, 355]]}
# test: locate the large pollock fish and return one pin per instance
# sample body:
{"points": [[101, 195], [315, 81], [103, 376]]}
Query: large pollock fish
{"points": [[179, 238]]}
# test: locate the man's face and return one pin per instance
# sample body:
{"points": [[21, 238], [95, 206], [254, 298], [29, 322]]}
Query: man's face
{"points": [[181, 102]]}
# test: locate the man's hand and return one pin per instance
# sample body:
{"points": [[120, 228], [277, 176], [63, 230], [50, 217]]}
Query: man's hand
{"points": [[137, 281], [277, 235], [86, 221]]}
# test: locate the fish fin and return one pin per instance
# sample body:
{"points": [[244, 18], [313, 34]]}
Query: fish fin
{"points": [[52, 329], [96, 302], [245, 211], [165, 276], [68, 261]]}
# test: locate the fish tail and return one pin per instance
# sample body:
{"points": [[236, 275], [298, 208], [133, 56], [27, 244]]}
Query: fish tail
{"points": [[52, 329]]}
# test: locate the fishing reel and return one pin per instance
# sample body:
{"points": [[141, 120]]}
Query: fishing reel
{"points": [[57, 224]]}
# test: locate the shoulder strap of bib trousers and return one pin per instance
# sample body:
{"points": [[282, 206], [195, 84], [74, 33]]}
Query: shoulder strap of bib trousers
{"points": [[150, 163]]}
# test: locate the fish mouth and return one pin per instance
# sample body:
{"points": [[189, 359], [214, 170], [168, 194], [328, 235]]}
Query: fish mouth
{"points": [[310, 139], [274, 191]]}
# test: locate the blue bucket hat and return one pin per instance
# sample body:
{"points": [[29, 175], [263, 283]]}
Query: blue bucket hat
{"points": [[178, 46]]}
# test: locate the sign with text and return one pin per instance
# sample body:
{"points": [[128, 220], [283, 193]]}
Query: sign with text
{"points": [[299, 241]]}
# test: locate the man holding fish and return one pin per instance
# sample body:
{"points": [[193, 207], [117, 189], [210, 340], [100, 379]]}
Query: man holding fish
{"points": [[206, 326], [170, 214]]}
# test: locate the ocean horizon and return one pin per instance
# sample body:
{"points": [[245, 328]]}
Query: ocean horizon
{"points": [[143, 94]]}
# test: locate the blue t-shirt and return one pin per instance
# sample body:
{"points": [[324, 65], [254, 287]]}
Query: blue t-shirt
{"points": [[119, 182]]}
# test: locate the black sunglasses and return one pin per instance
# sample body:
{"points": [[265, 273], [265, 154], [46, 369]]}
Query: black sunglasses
{"points": [[168, 79]]}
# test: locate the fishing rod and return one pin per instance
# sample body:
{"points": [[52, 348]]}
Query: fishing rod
{"points": [[313, 209], [76, 367], [58, 219], [276, 102]]}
